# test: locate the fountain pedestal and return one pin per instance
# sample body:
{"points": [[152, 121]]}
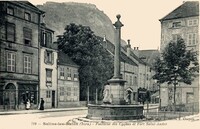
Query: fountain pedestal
{"points": [[115, 112]]}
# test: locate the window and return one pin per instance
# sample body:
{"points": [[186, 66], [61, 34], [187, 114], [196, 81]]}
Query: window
{"points": [[27, 64], [69, 74], [130, 79], [135, 81], [62, 91], [27, 16], [176, 24], [75, 75], [27, 36], [175, 37], [48, 94], [10, 11], [46, 38], [11, 61], [49, 57], [61, 73], [48, 77], [127, 79], [192, 39], [68, 91], [10, 33], [76, 91], [49, 38], [193, 22]]}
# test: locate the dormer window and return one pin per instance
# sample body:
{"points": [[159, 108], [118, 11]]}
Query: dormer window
{"points": [[193, 22], [27, 16], [10, 11], [176, 24]]}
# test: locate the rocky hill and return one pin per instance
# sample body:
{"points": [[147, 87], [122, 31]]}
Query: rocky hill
{"points": [[58, 15]]}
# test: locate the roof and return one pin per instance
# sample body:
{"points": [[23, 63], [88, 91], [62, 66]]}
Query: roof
{"points": [[64, 59], [126, 59], [26, 4], [187, 9], [149, 56], [111, 48], [137, 58]]}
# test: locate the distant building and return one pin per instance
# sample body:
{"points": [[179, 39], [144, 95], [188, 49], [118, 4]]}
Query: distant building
{"points": [[19, 54], [48, 67], [68, 81], [144, 60], [182, 22]]}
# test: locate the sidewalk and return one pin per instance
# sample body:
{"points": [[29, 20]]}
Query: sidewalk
{"points": [[15, 112]]}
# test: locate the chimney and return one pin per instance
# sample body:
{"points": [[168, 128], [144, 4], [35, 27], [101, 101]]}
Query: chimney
{"points": [[104, 38], [128, 48], [135, 51], [42, 20], [104, 42]]}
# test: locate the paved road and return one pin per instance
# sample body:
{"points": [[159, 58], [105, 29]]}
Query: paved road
{"points": [[40, 120]]}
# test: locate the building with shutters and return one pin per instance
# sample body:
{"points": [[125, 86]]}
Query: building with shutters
{"points": [[182, 22], [68, 81], [19, 54], [48, 67]]}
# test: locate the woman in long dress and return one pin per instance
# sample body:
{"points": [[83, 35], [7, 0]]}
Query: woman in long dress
{"points": [[28, 105], [41, 104]]}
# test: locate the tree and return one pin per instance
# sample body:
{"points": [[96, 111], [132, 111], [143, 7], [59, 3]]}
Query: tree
{"points": [[85, 49], [177, 64]]}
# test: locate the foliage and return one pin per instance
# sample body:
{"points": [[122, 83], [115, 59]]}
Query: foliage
{"points": [[176, 64], [85, 49]]}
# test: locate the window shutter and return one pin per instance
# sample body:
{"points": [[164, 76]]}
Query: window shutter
{"points": [[41, 38], [52, 61], [45, 56]]}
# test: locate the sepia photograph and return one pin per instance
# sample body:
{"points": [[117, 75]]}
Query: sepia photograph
{"points": [[67, 64]]}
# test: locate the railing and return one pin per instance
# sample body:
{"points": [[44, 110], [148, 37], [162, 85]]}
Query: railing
{"points": [[167, 113]]}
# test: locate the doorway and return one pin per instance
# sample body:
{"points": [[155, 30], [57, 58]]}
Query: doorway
{"points": [[53, 99], [10, 97]]}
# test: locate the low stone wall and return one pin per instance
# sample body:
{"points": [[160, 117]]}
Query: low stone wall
{"points": [[115, 112]]}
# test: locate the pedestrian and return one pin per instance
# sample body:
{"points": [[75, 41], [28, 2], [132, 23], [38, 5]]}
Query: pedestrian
{"points": [[41, 105], [28, 104]]}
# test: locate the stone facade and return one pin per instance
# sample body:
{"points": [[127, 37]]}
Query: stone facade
{"points": [[48, 67], [19, 48], [68, 82], [183, 22]]}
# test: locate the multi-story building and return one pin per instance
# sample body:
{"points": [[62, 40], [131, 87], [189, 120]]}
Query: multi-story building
{"points": [[144, 59], [48, 67], [182, 22], [19, 54], [68, 81]]}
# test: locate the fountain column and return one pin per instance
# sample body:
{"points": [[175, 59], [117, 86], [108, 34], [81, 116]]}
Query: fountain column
{"points": [[116, 84], [114, 107], [118, 26]]}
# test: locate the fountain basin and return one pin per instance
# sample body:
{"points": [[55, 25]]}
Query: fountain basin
{"points": [[115, 112]]}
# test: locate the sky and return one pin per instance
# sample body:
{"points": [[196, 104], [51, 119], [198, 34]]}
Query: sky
{"points": [[140, 18]]}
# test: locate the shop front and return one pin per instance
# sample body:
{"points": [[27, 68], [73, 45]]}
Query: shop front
{"points": [[13, 96]]}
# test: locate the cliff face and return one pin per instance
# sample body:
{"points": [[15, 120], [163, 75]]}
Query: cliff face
{"points": [[58, 15]]}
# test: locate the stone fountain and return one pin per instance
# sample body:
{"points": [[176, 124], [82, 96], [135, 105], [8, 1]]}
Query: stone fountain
{"points": [[114, 107]]}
